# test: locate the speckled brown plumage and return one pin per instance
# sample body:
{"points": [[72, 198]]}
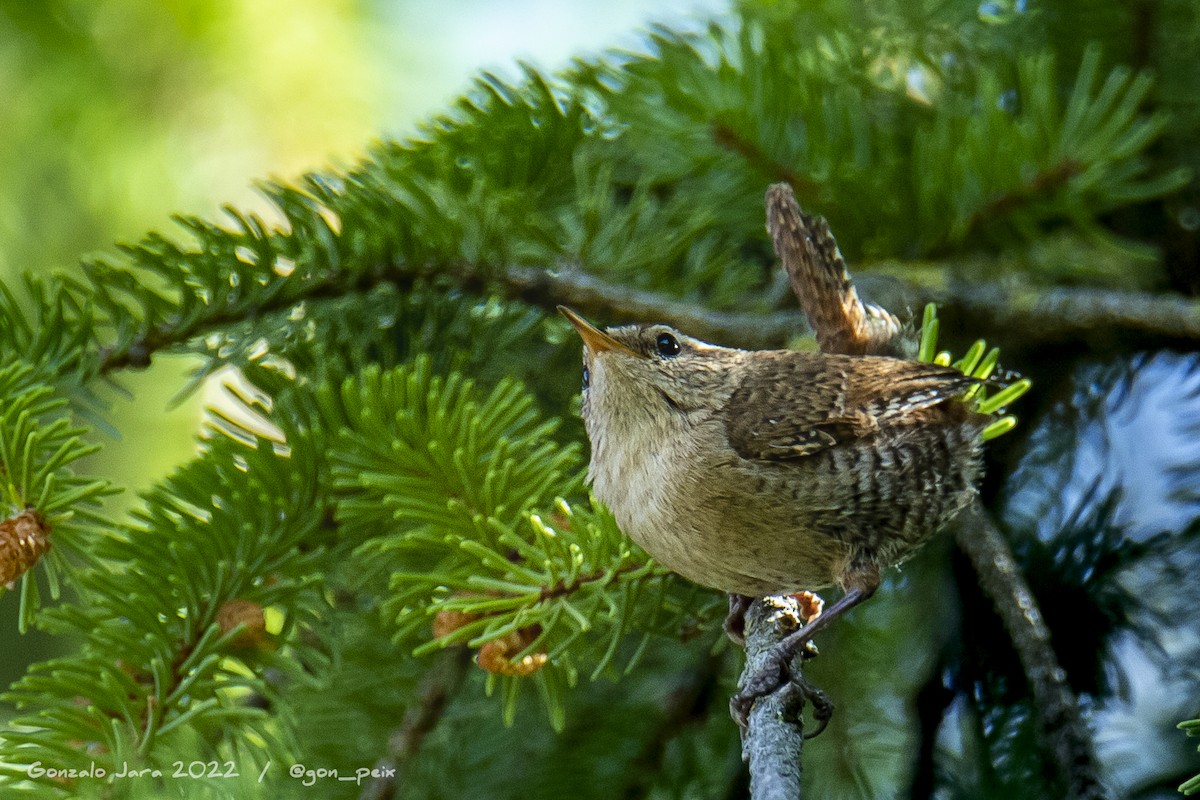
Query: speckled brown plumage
{"points": [[877, 439], [770, 472], [820, 280], [789, 404]]}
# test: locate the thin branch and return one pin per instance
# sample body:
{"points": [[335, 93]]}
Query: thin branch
{"points": [[688, 704], [1064, 732], [561, 589], [136, 353], [774, 739], [1041, 186], [441, 682], [731, 140], [1022, 314]]}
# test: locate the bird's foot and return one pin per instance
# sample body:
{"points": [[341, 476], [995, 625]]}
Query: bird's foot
{"points": [[774, 670], [774, 675], [771, 676], [735, 620], [822, 707], [809, 606]]}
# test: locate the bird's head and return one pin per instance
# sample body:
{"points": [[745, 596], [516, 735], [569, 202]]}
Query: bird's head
{"points": [[635, 371]]}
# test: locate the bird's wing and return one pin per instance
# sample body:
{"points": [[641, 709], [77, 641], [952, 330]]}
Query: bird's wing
{"points": [[790, 405]]}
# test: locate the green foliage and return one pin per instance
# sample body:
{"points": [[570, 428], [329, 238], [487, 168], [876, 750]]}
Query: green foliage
{"points": [[223, 528], [397, 452], [906, 151], [1192, 726], [978, 365], [38, 443], [453, 495]]}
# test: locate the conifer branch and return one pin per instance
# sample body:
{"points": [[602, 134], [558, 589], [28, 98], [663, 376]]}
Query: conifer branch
{"points": [[1026, 315], [1061, 726], [137, 352], [563, 588], [1037, 187], [726, 136], [441, 683]]}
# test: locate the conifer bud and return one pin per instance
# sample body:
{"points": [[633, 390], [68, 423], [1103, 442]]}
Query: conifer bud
{"points": [[235, 612], [24, 539], [446, 622], [496, 656]]}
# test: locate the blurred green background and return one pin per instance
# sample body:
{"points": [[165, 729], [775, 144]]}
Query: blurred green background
{"points": [[115, 115]]}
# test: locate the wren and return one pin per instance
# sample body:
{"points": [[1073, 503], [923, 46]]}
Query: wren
{"points": [[770, 472]]}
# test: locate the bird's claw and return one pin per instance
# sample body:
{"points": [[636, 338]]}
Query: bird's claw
{"points": [[769, 677], [822, 705], [735, 620], [774, 675]]}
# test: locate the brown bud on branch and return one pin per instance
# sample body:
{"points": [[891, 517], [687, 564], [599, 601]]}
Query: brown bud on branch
{"points": [[242, 612], [24, 539]]}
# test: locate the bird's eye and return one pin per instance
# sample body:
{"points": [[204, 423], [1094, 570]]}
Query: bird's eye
{"points": [[587, 378], [667, 345]]}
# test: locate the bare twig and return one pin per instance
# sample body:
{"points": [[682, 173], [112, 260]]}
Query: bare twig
{"points": [[1063, 730], [1024, 315], [441, 682], [1044, 315]]}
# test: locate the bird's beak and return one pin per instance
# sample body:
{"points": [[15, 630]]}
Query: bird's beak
{"points": [[594, 339]]}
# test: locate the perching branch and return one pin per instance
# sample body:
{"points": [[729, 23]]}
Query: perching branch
{"points": [[774, 737]]}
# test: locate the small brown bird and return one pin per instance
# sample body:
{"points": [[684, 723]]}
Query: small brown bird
{"points": [[770, 472]]}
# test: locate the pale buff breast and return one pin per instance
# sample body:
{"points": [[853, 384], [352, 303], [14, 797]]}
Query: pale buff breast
{"points": [[720, 523]]}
